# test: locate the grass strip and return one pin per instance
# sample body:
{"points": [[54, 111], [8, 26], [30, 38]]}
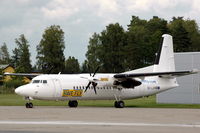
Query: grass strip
{"points": [[150, 102]]}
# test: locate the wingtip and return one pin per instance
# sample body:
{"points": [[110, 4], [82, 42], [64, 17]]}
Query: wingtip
{"points": [[6, 73], [195, 71]]}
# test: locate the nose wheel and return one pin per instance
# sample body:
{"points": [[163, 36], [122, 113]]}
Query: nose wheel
{"points": [[29, 105]]}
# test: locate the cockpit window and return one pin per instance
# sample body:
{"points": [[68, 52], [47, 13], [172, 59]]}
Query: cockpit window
{"points": [[45, 81], [36, 81]]}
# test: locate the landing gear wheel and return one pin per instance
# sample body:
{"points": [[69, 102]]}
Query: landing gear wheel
{"points": [[73, 104], [29, 105], [119, 104]]}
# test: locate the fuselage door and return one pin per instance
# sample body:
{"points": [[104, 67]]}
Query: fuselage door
{"points": [[58, 88]]}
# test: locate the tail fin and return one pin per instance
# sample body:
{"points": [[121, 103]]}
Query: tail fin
{"points": [[165, 57]]}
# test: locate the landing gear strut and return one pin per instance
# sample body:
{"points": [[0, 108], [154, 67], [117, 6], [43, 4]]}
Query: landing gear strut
{"points": [[119, 104], [73, 104]]}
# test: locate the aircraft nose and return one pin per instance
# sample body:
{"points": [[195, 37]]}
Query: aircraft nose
{"points": [[18, 90], [24, 90]]}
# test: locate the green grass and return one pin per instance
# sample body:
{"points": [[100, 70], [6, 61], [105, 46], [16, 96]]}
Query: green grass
{"points": [[150, 102]]}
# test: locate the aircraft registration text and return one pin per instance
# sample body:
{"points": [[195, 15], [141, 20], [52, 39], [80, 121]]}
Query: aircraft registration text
{"points": [[72, 93]]}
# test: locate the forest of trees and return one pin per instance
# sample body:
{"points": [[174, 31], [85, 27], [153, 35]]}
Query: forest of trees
{"points": [[115, 49]]}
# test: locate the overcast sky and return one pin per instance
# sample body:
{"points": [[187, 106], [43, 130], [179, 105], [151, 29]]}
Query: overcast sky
{"points": [[79, 19]]}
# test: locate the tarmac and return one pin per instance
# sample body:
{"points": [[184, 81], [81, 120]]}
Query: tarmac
{"points": [[45, 119]]}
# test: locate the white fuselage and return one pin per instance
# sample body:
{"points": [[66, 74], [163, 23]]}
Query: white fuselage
{"points": [[71, 87]]}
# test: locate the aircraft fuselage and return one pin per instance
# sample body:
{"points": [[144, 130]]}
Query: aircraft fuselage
{"points": [[72, 87]]}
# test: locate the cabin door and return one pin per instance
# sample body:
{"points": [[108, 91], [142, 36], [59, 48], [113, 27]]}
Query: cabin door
{"points": [[58, 88]]}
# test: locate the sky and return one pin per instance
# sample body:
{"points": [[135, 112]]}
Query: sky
{"points": [[79, 19]]}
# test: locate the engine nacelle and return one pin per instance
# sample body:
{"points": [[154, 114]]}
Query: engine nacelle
{"points": [[128, 83]]}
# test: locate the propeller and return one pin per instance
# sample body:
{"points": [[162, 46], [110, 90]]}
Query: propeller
{"points": [[92, 80]]}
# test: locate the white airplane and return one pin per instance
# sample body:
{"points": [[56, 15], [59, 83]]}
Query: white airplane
{"points": [[99, 86]]}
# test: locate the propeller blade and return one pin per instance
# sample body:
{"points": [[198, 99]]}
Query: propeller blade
{"points": [[94, 86], [96, 71], [95, 90], [87, 86]]}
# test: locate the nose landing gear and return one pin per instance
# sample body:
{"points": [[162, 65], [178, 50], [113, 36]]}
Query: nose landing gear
{"points": [[29, 104]]}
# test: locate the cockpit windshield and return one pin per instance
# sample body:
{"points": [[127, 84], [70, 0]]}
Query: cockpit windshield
{"points": [[39, 81], [36, 81]]}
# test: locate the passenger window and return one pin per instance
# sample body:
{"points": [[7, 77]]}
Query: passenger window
{"points": [[44, 81]]}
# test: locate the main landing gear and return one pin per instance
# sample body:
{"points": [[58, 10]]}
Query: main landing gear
{"points": [[119, 104], [73, 104]]}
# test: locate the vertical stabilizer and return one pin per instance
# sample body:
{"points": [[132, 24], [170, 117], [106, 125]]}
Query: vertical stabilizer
{"points": [[165, 57]]}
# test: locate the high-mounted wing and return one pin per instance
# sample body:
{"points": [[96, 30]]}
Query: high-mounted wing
{"points": [[160, 74], [31, 75]]}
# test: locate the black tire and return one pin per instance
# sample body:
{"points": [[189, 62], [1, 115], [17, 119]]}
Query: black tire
{"points": [[116, 104], [27, 105], [73, 104], [119, 104], [30, 105]]}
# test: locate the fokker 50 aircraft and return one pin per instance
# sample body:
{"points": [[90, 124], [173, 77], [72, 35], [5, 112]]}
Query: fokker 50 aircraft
{"points": [[98, 86]]}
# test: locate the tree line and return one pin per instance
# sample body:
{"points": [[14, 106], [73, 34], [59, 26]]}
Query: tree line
{"points": [[115, 49]]}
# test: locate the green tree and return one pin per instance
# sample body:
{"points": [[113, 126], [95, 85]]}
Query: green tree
{"points": [[72, 65], [137, 38], [15, 58], [50, 50], [192, 28], [21, 55], [144, 38], [84, 67], [156, 28], [182, 41], [116, 50], [92, 54], [106, 50], [4, 54], [113, 40]]}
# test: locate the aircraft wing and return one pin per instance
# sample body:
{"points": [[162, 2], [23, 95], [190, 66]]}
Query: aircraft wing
{"points": [[160, 74], [31, 75]]}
